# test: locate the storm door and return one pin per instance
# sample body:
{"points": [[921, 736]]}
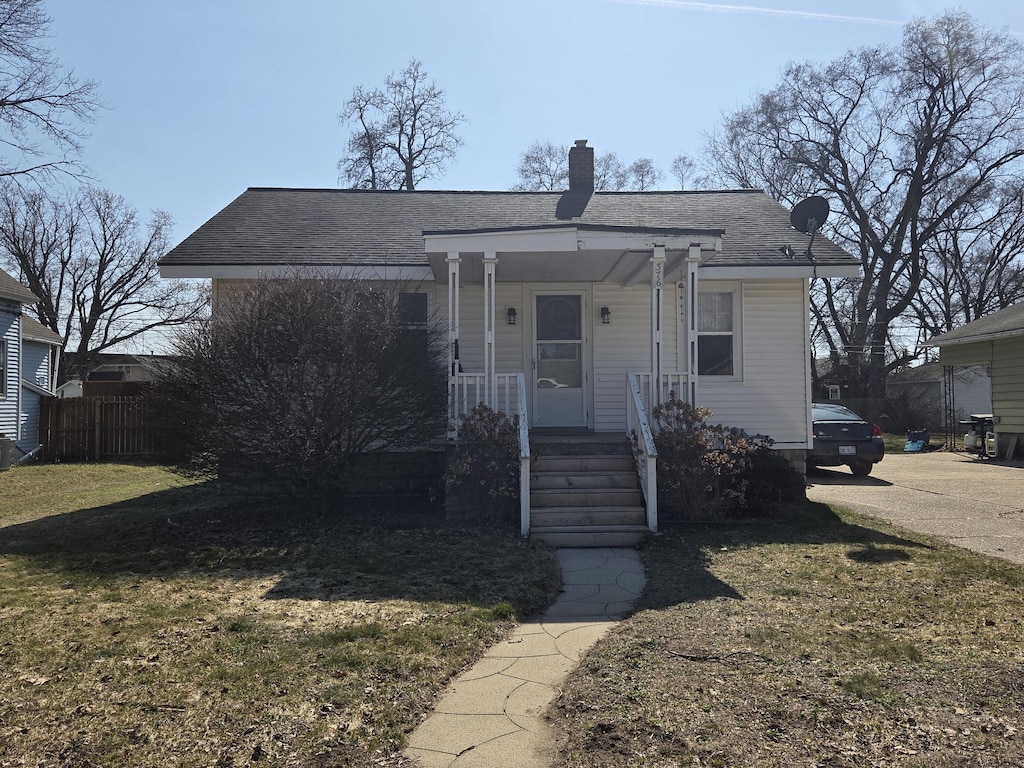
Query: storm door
{"points": [[560, 397]]}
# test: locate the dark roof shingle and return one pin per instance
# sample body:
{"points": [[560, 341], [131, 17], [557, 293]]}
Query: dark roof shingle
{"points": [[1005, 322], [33, 329], [12, 289], [272, 226]]}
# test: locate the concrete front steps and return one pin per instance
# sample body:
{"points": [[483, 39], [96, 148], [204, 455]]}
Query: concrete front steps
{"points": [[584, 492]]}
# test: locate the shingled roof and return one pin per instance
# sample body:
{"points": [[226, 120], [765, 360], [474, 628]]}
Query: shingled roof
{"points": [[1005, 322], [15, 291], [36, 331], [328, 227]]}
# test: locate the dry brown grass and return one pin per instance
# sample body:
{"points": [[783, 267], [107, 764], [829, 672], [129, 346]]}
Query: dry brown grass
{"points": [[168, 624], [819, 640]]}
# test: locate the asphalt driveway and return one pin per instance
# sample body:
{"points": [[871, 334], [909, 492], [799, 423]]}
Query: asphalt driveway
{"points": [[973, 503]]}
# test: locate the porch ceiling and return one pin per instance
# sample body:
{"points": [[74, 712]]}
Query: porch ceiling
{"points": [[565, 254], [605, 266]]}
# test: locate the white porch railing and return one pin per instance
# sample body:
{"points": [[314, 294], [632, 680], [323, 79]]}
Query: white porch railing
{"points": [[466, 392], [679, 383], [638, 428], [524, 457]]}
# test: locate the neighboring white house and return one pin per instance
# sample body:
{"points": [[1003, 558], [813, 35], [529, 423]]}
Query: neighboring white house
{"points": [[703, 293], [28, 360], [995, 342]]}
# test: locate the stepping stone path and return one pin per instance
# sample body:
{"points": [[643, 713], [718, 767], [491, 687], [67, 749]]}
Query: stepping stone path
{"points": [[492, 716]]}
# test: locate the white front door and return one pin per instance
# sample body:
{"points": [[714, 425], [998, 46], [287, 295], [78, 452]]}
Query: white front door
{"points": [[559, 361]]}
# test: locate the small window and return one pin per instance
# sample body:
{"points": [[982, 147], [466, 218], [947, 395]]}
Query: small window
{"points": [[833, 392], [715, 342], [3, 369], [414, 311]]}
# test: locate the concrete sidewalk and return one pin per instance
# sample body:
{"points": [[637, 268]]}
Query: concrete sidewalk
{"points": [[973, 503], [492, 715]]}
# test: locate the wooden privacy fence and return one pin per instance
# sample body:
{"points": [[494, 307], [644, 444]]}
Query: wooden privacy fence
{"points": [[94, 427]]}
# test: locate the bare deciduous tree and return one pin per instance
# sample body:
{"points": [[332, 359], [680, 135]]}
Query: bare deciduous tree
{"points": [[42, 105], [610, 173], [975, 265], [683, 169], [93, 264], [644, 174], [905, 142], [295, 377], [403, 133], [542, 166]]}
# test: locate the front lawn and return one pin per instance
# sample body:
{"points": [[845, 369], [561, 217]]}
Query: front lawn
{"points": [[820, 639], [145, 620]]}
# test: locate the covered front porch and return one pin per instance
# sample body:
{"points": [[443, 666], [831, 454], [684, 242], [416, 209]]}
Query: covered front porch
{"points": [[581, 329]]}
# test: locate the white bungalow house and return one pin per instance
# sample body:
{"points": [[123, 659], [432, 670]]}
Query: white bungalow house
{"points": [[28, 366], [578, 310]]}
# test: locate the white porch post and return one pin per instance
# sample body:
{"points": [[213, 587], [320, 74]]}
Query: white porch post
{"points": [[657, 313], [454, 260], [490, 375], [692, 262]]}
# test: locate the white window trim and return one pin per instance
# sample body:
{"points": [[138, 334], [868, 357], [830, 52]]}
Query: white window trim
{"points": [[736, 289]]}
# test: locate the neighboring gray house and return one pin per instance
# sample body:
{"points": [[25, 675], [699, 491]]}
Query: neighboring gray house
{"points": [[578, 310], [28, 360], [925, 389], [995, 342]]}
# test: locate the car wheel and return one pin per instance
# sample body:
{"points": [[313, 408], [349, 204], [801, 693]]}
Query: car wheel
{"points": [[861, 468]]}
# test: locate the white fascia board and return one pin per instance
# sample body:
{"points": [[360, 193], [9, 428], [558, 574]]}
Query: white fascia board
{"points": [[525, 241], [739, 272], [33, 387], [250, 272], [646, 241], [38, 340]]}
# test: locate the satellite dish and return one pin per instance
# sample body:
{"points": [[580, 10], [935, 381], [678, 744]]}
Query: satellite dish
{"points": [[808, 215]]}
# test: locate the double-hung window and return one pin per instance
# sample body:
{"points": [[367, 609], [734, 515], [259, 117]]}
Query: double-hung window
{"points": [[414, 311], [716, 333]]}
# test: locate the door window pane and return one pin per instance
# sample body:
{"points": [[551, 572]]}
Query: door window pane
{"points": [[559, 342], [558, 318]]}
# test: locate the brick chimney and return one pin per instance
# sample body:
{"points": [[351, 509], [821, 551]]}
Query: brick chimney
{"points": [[581, 167]]}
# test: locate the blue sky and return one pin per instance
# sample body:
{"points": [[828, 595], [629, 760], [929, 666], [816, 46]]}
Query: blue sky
{"points": [[204, 98]]}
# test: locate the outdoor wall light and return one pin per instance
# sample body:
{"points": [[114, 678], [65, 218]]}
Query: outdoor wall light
{"points": [[512, 315], [606, 315]]}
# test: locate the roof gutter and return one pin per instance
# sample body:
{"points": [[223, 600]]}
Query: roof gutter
{"points": [[408, 273]]}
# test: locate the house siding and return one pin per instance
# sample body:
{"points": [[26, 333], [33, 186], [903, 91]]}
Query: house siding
{"points": [[621, 346], [966, 354], [10, 333], [772, 398], [770, 395], [35, 363], [624, 345], [35, 368], [29, 434], [1008, 384]]}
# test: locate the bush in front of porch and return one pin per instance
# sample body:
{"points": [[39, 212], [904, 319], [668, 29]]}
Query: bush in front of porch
{"points": [[713, 472], [482, 476]]}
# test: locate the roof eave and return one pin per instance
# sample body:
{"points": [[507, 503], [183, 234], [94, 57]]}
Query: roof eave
{"points": [[938, 341]]}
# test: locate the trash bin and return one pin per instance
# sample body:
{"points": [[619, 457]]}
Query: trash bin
{"points": [[6, 447]]}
